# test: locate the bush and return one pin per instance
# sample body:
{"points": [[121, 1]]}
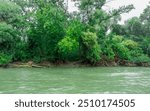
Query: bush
{"points": [[21, 53], [4, 59], [117, 39], [135, 50], [68, 49], [93, 55], [145, 45], [120, 50], [130, 44], [90, 47], [74, 29], [140, 59], [107, 49]]}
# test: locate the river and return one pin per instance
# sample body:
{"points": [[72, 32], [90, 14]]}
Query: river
{"points": [[60, 80]]}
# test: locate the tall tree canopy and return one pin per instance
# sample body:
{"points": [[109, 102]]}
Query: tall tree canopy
{"points": [[44, 30]]}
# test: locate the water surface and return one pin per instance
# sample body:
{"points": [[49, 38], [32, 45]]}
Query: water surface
{"points": [[75, 80]]}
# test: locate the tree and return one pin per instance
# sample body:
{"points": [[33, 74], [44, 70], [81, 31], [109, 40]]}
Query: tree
{"points": [[145, 19], [119, 29], [9, 12], [43, 30], [9, 19], [90, 7], [134, 26], [97, 19], [46, 31], [8, 38]]}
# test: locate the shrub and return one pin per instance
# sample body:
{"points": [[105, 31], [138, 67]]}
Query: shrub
{"points": [[130, 44], [134, 48], [107, 50], [117, 39], [74, 29], [4, 59], [91, 48], [68, 49], [145, 45], [93, 55], [119, 48], [116, 47], [21, 53], [136, 52], [122, 51], [140, 59]]}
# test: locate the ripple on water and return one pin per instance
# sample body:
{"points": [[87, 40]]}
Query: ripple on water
{"points": [[60, 88], [75, 80], [22, 87], [126, 74]]}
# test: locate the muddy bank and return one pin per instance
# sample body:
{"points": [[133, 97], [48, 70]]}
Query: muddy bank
{"points": [[31, 64]]}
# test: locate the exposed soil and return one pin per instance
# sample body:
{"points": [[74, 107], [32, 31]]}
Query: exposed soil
{"points": [[74, 64]]}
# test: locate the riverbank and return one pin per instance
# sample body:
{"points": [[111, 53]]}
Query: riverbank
{"points": [[45, 64]]}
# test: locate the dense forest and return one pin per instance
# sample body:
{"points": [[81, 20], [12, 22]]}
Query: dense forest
{"points": [[44, 30]]}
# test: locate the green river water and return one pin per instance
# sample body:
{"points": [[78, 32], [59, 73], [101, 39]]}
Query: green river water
{"points": [[60, 80]]}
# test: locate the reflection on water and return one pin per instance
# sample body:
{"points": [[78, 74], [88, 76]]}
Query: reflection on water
{"points": [[95, 80]]}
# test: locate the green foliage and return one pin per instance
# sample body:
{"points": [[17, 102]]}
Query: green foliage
{"points": [[134, 26], [46, 32], [68, 49], [145, 45], [130, 44], [89, 39], [119, 29], [136, 52], [21, 52], [119, 48], [11, 44], [8, 38], [4, 59], [74, 29], [114, 48], [122, 51], [93, 14], [9, 12], [93, 54], [107, 50], [134, 48], [117, 39], [91, 48], [145, 19], [126, 48], [140, 59]]}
